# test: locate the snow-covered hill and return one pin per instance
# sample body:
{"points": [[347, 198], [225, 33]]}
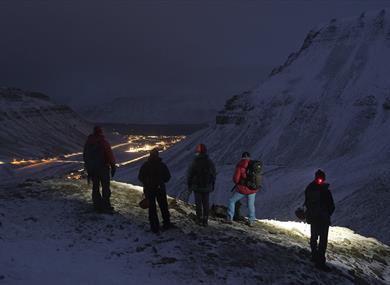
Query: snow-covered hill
{"points": [[32, 126], [57, 238], [151, 110], [327, 106]]}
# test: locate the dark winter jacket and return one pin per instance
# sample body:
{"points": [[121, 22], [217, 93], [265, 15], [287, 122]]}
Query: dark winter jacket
{"points": [[201, 174], [239, 175], [154, 174], [319, 203], [109, 158]]}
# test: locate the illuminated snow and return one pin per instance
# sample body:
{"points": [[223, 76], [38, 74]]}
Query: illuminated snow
{"points": [[336, 234]]}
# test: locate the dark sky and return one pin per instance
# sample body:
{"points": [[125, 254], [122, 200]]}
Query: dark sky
{"points": [[82, 52]]}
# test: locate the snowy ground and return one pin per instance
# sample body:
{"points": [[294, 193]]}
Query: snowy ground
{"points": [[49, 234]]}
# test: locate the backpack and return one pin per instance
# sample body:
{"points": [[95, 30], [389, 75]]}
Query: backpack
{"points": [[202, 176], [93, 158], [253, 175]]}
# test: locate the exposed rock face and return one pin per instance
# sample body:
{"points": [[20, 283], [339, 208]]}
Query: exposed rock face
{"points": [[31, 125]]}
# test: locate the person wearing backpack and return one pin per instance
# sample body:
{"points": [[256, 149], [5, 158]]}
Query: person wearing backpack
{"points": [[201, 180], [247, 179], [153, 174], [319, 208], [99, 162]]}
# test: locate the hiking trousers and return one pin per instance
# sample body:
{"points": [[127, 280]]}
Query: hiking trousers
{"points": [[160, 195], [101, 201], [319, 230], [202, 206], [251, 205]]}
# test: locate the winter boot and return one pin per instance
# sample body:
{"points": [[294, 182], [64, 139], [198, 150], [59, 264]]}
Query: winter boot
{"points": [[205, 222], [323, 267], [227, 221], [168, 225], [198, 221]]}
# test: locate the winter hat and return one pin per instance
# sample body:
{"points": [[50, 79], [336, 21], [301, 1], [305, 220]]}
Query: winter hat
{"points": [[201, 148], [245, 154], [154, 152], [97, 130], [320, 174]]}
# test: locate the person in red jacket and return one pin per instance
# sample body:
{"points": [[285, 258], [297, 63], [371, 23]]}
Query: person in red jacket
{"points": [[242, 191], [98, 161]]}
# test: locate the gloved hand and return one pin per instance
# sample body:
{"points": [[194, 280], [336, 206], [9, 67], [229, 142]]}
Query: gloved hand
{"points": [[113, 170]]}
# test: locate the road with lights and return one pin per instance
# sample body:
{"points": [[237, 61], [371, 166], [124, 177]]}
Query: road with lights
{"points": [[136, 147]]}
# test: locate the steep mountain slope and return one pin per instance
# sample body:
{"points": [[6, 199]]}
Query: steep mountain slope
{"points": [[32, 126], [75, 245], [327, 106]]}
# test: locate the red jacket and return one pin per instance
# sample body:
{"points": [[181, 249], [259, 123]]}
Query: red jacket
{"points": [[109, 158], [240, 173]]}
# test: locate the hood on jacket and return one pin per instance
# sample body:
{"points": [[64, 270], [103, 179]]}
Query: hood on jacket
{"points": [[243, 163], [93, 138]]}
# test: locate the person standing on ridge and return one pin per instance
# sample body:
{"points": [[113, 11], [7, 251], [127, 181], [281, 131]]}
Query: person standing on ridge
{"points": [[247, 179], [319, 208], [154, 174], [201, 180], [98, 161]]}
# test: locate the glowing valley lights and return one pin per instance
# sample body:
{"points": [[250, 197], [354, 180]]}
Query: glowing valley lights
{"points": [[139, 143], [146, 147], [133, 160], [32, 162], [24, 161], [73, 154]]}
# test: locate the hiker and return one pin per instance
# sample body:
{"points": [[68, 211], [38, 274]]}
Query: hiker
{"points": [[154, 174], [201, 180], [99, 162], [319, 208], [247, 183]]}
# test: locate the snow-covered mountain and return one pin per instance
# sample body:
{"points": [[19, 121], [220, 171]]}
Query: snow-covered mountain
{"points": [[33, 126], [327, 106], [150, 110]]}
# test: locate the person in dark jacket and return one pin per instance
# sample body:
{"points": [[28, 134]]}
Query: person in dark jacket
{"points": [[319, 208], [201, 180], [242, 191], [99, 159], [154, 174]]}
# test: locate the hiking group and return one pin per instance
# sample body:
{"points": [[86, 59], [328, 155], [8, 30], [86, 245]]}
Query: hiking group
{"points": [[201, 177]]}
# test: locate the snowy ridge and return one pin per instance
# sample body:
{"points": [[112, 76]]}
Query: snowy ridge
{"points": [[75, 245], [32, 126], [326, 107]]}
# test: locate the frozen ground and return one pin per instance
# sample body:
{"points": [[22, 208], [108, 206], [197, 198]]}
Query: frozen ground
{"points": [[49, 234]]}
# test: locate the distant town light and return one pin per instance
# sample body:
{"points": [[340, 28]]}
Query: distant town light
{"points": [[160, 142]]}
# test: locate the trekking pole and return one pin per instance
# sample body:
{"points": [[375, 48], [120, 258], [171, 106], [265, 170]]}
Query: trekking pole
{"points": [[234, 187]]}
